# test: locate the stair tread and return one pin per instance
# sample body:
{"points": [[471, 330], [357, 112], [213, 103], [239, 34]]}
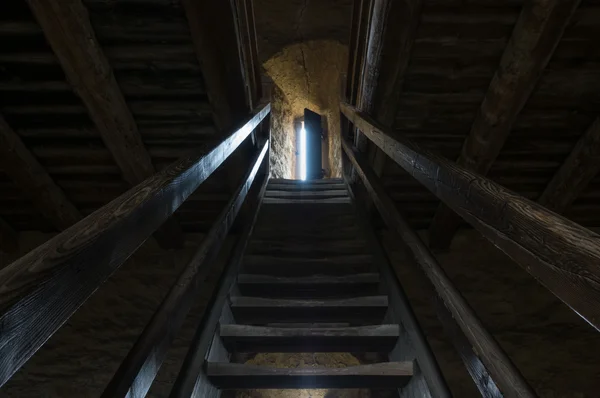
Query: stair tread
{"points": [[313, 279], [379, 375], [306, 182], [296, 267], [331, 193], [366, 301], [330, 201], [305, 187], [250, 331]]}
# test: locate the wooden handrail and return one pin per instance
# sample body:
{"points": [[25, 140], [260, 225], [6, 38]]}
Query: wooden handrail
{"points": [[45, 287], [483, 356], [562, 255], [136, 373]]}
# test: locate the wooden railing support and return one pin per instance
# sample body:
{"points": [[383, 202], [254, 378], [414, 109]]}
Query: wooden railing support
{"points": [[136, 373], [44, 288], [562, 255], [192, 381], [491, 369]]}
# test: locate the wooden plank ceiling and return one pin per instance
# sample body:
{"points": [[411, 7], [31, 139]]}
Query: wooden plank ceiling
{"points": [[541, 91], [98, 95]]}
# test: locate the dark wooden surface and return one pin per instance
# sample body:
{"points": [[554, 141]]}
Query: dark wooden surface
{"points": [[31, 177], [562, 255], [68, 30], [319, 286], [356, 310], [42, 289], [380, 375], [244, 338], [428, 380], [191, 380], [137, 371], [285, 266], [576, 172], [469, 336], [219, 59], [9, 241], [534, 39]]}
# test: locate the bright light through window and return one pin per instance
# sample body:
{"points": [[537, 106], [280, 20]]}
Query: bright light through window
{"points": [[302, 153]]}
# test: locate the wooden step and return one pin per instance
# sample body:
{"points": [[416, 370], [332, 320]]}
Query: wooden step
{"points": [[313, 249], [306, 182], [241, 376], [331, 193], [305, 187], [356, 311], [293, 267], [245, 338], [317, 286], [331, 201], [315, 234]]}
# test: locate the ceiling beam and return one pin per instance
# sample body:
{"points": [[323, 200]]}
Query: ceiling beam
{"points": [[394, 28], [536, 34], [69, 32], [9, 242], [29, 175], [214, 35], [582, 164]]}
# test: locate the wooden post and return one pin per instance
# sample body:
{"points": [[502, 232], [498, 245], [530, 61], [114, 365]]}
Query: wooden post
{"points": [[582, 164], [67, 28], [29, 175], [486, 357], [562, 255], [44, 288], [136, 373], [536, 35]]}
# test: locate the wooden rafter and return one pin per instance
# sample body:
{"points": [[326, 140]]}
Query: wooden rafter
{"points": [[29, 175], [213, 28], [68, 29], [9, 242], [582, 164], [537, 33]]}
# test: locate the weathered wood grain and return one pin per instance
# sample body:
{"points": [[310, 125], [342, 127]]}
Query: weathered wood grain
{"points": [[219, 58], [137, 371], [245, 338], [578, 169], [562, 255], [41, 290], [9, 242], [534, 39], [411, 344], [380, 375], [319, 286], [486, 357], [67, 28], [191, 380], [31, 177], [355, 310]]}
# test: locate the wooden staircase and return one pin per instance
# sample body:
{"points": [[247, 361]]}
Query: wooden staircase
{"points": [[309, 281]]}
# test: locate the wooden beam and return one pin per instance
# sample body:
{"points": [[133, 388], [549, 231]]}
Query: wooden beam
{"points": [[393, 26], [69, 32], [486, 356], [562, 255], [582, 164], [213, 29], [137, 371], [537, 33], [29, 175], [249, 49], [9, 242], [44, 288]]}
